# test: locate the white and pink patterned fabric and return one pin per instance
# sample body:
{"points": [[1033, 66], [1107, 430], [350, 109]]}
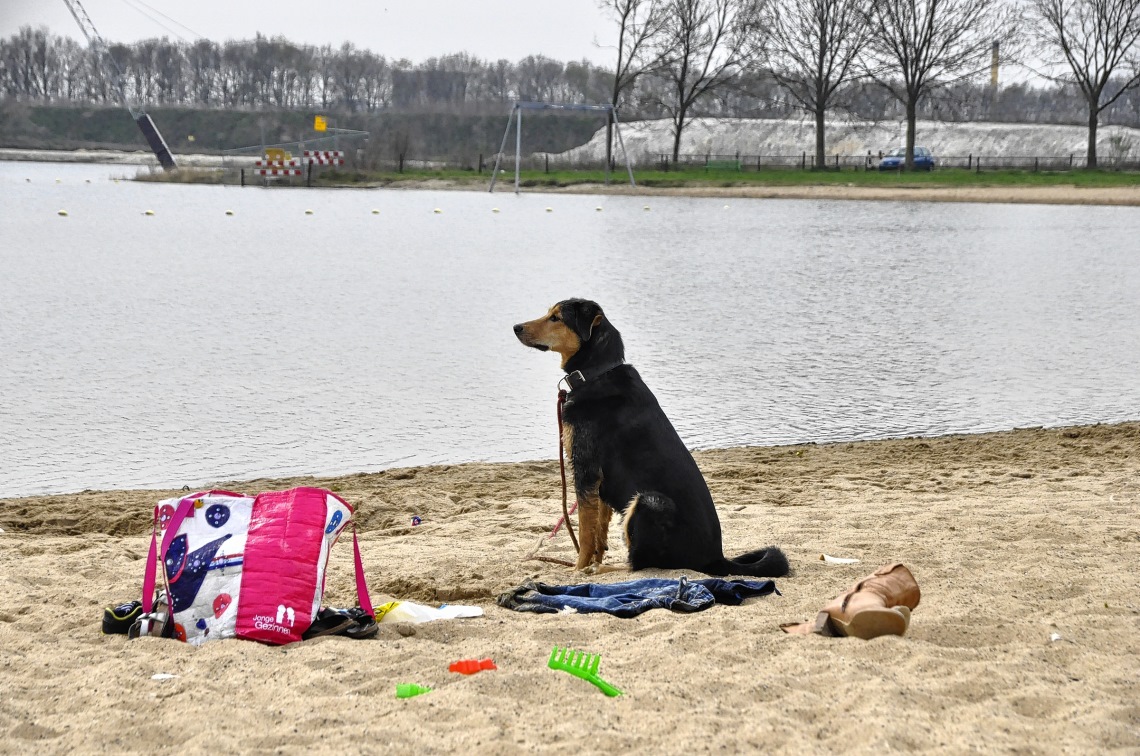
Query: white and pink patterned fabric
{"points": [[247, 567]]}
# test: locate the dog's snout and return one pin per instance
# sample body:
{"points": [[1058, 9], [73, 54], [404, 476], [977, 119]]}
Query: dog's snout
{"points": [[518, 328]]}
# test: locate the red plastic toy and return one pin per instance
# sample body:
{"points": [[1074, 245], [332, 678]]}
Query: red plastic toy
{"points": [[471, 666]]}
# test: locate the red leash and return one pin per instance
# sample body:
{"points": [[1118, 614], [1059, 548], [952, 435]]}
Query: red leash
{"points": [[562, 470]]}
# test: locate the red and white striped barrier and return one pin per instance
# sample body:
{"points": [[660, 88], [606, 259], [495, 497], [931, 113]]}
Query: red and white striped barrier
{"points": [[280, 171], [324, 157], [277, 163]]}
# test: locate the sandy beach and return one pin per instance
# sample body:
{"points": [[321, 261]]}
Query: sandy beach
{"points": [[1024, 543], [1035, 195]]}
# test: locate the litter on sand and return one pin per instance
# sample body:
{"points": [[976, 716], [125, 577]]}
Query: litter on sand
{"points": [[410, 611], [837, 560]]}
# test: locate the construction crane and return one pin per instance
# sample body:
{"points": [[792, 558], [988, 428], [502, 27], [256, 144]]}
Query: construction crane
{"points": [[144, 122]]}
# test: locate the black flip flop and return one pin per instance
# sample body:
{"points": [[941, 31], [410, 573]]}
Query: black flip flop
{"points": [[365, 624], [329, 622]]}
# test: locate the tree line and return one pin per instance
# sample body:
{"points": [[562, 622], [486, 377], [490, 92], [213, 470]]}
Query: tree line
{"points": [[676, 59]]}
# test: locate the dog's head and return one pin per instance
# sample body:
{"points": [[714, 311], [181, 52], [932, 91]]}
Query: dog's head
{"points": [[574, 328]]}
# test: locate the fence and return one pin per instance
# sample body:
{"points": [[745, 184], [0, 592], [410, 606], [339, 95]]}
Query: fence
{"points": [[242, 164], [806, 161], [239, 164], [741, 162]]}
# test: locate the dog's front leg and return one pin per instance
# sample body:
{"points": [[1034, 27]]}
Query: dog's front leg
{"points": [[602, 544], [591, 537]]}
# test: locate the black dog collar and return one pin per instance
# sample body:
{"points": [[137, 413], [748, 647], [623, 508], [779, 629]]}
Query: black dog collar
{"points": [[578, 378]]}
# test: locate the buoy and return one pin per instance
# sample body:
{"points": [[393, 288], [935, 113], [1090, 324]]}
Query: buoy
{"points": [[63, 213], [88, 180], [494, 209], [308, 212], [148, 212], [645, 208], [437, 211], [28, 180], [59, 181], [726, 207], [229, 212], [598, 209], [375, 212], [550, 209]]}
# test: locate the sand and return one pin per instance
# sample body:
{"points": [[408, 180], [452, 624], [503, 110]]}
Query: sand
{"points": [[1034, 195], [1063, 194], [1025, 545]]}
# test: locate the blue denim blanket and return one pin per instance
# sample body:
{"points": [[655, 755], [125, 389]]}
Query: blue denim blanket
{"points": [[633, 597]]}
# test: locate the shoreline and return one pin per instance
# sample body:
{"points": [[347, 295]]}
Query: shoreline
{"points": [[1061, 194], [1023, 542], [1128, 196], [331, 480]]}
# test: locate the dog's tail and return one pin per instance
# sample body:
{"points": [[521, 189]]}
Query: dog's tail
{"points": [[766, 562]]}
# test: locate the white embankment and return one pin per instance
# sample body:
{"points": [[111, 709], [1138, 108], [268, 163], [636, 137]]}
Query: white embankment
{"points": [[645, 140]]}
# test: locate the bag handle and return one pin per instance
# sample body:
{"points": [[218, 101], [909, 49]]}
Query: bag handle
{"points": [[361, 586], [362, 599], [151, 566]]}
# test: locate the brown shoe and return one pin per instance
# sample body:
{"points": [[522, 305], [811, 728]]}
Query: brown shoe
{"points": [[879, 604]]}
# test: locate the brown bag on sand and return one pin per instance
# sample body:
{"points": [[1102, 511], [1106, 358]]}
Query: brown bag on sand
{"points": [[879, 604]]}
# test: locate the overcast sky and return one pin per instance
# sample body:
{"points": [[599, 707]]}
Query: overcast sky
{"points": [[417, 30]]}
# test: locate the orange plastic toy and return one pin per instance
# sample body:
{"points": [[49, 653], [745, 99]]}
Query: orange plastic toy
{"points": [[471, 666]]}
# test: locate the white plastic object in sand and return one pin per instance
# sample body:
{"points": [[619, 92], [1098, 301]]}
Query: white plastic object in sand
{"points": [[410, 611]]}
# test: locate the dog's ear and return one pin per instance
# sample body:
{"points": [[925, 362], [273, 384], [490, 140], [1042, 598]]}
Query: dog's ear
{"points": [[596, 321], [584, 317]]}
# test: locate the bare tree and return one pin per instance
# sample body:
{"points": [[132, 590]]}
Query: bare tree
{"points": [[812, 50], [705, 44], [349, 67], [539, 77], [325, 60], [204, 60], [918, 46], [640, 24], [1099, 41]]}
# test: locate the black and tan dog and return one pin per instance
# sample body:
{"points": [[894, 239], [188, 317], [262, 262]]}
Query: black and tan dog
{"points": [[627, 457]]}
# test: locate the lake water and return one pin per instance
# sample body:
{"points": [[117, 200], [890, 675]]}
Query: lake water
{"points": [[189, 346]]}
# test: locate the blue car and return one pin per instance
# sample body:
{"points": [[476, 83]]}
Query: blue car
{"points": [[923, 160]]}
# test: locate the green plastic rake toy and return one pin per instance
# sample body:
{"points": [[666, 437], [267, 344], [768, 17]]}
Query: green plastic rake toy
{"points": [[581, 665]]}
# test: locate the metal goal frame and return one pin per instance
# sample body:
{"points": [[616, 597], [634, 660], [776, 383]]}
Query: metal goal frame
{"points": [[516, 116]]}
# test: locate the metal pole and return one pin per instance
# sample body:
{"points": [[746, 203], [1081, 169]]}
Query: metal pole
{"points": [[499, 157], [610, 118], [518, 145], [628, 167]]}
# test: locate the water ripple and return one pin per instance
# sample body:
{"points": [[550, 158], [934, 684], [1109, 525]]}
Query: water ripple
{"points": [[189, 346]]}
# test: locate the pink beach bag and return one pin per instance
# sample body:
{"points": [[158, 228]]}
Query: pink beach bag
{"points": [[247, 567]]}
